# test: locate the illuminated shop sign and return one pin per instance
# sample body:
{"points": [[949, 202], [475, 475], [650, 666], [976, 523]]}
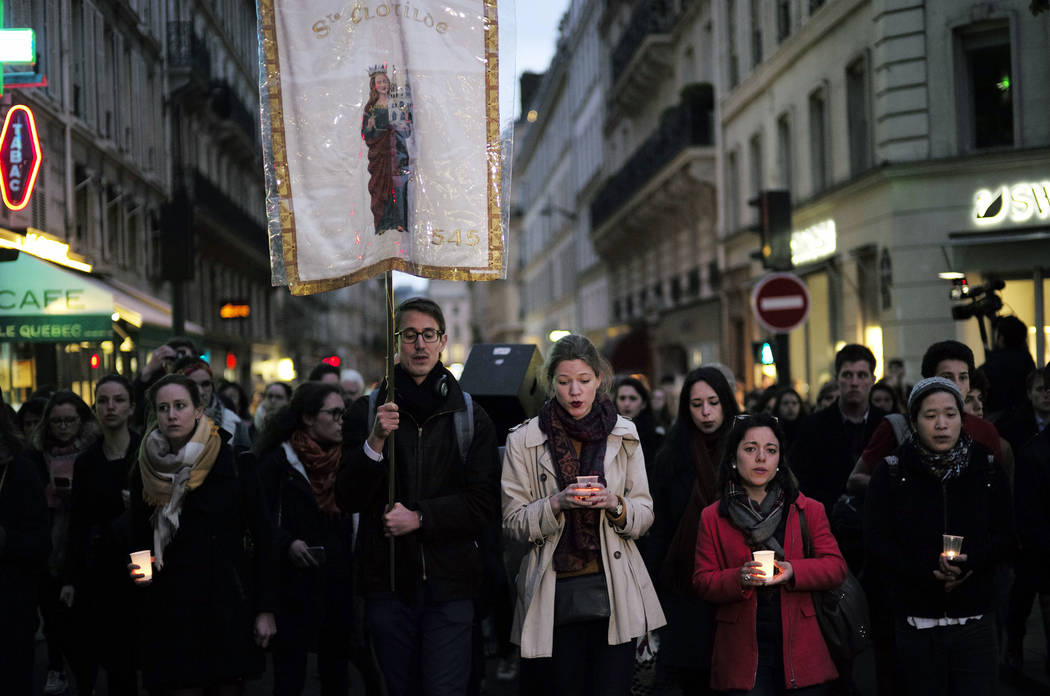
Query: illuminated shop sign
{"points": [[813, 243], [1017, 203], [19, 157], [43, 246]]}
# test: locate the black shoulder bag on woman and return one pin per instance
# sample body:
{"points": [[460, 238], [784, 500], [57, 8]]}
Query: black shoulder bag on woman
{"points": [[842, 612]]}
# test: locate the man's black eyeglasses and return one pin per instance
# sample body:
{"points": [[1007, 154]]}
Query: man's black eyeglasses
{"points": [[409, 336]]}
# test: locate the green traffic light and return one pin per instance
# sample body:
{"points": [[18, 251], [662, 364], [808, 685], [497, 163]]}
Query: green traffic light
{"points": [[1003, 84]]}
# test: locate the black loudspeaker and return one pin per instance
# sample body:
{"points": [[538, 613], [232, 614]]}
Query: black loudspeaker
{"points": [[506, 380]]}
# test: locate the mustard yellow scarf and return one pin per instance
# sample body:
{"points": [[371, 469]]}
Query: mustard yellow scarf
{"points": [[168, 476]]}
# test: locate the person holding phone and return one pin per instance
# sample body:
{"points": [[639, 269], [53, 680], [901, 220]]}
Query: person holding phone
{"points": [[584, 594], [940, 482], [299, 456], [68, 428]]}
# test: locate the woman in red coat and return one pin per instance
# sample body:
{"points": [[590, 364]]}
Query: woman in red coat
{"points": [[767, 640]]}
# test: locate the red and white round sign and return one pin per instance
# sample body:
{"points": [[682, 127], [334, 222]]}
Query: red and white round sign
{"points": [[780, 302]]}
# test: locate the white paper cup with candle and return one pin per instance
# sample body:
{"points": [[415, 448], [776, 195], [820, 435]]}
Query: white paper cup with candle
{"points": [[766, 558], [142, 560], [586, 484], [952, 546]]}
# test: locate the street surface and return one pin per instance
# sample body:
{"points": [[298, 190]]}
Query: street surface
{"points": [[1034, 660]]}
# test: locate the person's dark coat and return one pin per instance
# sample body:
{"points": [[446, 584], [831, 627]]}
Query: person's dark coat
{"points": [[199, 613], [25, 543], [309, 597], [1006, 370], [1031, 493], [457, 499], [98, 540], [686, 639], [1018, 426], [908, 511], [821, 456]]}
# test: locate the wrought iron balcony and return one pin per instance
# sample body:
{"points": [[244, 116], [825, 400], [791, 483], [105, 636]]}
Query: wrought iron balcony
{"points": [[186, 51], [216, 205], [650, 17], [228, 106], [689, 124]]}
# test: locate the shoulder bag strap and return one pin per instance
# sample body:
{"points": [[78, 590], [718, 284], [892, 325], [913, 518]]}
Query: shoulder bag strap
{"points": [[807, 542]]}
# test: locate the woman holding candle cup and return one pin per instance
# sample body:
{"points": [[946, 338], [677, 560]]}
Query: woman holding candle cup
{"points": [[208, 605], [767, 639], [937, 485], [583, 594]]}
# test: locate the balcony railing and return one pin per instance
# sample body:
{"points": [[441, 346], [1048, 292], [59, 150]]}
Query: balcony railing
{"points": [[228, 105], [649, 17], [186, 51], [688, 124], [210, 197]]}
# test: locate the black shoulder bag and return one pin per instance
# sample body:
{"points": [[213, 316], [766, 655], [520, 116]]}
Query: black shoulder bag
{"points": [[842, 612]]}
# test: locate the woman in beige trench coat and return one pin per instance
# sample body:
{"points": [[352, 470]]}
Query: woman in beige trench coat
{"points": [[583, 594]]}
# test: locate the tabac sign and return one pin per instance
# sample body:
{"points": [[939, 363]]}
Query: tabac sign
{"points": [[19, 157]]}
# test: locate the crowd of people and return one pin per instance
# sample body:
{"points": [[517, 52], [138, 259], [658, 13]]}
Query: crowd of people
{"points": [[170, 536]]}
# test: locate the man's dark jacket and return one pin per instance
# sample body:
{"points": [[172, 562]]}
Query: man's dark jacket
{"points": [[1018, 426], [821, 456], [458, 499], [1031, 493]]}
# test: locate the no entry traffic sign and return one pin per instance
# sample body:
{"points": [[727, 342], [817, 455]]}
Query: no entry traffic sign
{"points": [[780, 302]]}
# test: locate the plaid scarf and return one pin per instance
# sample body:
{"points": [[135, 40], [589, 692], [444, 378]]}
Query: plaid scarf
{"points": [[579, 543], [758, 521], [945, 465]]}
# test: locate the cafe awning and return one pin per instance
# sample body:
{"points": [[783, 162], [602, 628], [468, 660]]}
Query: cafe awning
{"points": [[41, 302]]}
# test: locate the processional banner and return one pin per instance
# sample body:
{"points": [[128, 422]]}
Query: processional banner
{"points": [[382, 140]]}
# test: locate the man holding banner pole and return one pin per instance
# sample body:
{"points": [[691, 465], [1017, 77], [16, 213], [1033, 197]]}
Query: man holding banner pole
{"points": [[446, 491]]}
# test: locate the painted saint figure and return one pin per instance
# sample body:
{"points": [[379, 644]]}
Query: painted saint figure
{"points": [[386, 126]]}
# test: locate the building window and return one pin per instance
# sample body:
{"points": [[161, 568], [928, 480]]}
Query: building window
{"points": [[732, 192], [785, 161], [734, 67], [857, 120], [755, 162], [756, 33], [987, 94], [818, 139], [783, 19]]}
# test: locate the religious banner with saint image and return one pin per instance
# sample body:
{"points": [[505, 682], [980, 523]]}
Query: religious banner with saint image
{"points": [[382, 140]]}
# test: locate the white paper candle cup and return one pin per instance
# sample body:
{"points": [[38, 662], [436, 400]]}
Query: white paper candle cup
{"points": [[952, 546], [766, 558], [142, 560]]}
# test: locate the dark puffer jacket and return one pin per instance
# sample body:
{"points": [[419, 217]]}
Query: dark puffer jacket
{"points": [[908, 510], [458, 499]]}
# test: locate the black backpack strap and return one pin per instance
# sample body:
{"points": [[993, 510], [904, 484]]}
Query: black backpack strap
{"points": [[464, 422]]}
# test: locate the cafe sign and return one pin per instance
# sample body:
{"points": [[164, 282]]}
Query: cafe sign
{"points": [[813, 243], [1019, 203], [40, 303]]}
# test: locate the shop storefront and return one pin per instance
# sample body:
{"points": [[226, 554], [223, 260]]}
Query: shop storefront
{"points": [[60, 326], [877, 256]]}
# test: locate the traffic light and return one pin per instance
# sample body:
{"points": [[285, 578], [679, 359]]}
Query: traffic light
{"points": [[332, 360], [763, 352], [774, 226], [95, 361]]}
